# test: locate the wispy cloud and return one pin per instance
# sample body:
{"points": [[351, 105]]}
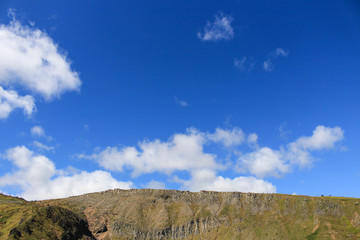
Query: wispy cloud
{"points": [[42, 147], [155, 185], [220, 29], [38, 131], [244, 64], [283, 131], [269, 62], [181, 102]]}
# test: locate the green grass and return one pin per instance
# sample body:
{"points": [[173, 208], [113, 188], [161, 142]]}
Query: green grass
{"points": [[313, 235]]}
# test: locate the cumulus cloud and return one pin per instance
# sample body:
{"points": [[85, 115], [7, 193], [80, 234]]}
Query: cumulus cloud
{"points": [[30, 60], [265, 162], [77, 184], [241, 184], [37, 131], [322, 138], [10, 100], [220, 29], [228, 138], [187, 152], [252, 138], [269, 62], [38, 177], [206, 179], [183, 152]]}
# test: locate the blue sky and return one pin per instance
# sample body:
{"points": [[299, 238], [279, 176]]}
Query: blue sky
{"points": [[252, 96]]}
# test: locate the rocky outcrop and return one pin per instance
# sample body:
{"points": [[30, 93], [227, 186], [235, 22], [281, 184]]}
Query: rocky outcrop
{"points": [[192, 228]]}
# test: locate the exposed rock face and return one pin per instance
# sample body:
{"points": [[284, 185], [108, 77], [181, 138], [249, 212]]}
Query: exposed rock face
{"points": [[170, 214], [192, 228]]}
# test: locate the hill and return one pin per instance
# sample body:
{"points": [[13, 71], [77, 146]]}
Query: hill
{"points": [[171, 214]]}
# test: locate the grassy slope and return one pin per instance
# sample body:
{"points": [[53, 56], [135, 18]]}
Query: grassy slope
{"points": [[12, 211], [33, 220], [124, 214], [226, 215]]}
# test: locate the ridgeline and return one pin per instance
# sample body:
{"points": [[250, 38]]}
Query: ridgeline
{"points": [[171, 214]]}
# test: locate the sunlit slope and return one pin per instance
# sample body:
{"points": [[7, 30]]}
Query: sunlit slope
{"points": [[166, 214], [33, 220], [170, 214]]}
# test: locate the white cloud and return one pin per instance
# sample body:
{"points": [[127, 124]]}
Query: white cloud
{"points": [[265, 162], [30, 58], [268, 63], [281, 52], [186, 153], [220, 29], [181, 102], [244, 64], [31, 61], [77, 184], [155, 185], [252, 138], [240, 184], [38, 178], [228, 137], [32, 169], [10, 100], [42, 147], [283, 132], [322, 138], [183, 152], [37, 131], [206, 179], [240, 63]]}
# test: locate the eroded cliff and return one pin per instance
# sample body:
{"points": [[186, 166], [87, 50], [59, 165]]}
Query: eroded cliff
{"points": [[170, 214]]}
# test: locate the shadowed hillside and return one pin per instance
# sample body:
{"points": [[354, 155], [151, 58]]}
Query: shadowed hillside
{"points": [[170, 214]]}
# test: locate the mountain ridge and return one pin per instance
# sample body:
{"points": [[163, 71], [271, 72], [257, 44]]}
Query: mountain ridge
{"points": [[173, 214]]}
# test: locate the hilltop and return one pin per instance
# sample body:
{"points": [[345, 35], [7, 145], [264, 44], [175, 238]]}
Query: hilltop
{"points": [[171, 214]]}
